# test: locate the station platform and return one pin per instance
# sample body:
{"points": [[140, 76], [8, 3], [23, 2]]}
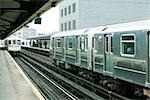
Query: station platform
{"points": [[14, 85]]}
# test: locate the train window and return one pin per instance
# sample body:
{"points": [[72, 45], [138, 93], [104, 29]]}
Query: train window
{"points": [[111, 44], [106, 47], [9, 42], [128, 45], [97, 41], [22, 43], [58, 43], [70, 43], [84, 43], [95, 45], [52, 44]]}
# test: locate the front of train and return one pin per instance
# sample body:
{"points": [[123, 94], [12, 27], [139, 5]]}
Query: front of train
{"points": [[14, 45]]}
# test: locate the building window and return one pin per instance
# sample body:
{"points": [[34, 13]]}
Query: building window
{"points": [[69, 9], [65, 26], [69, 25], [62, 27], [74, 24], [65, 11], [74, 7], [62, 13], [128, 45]]}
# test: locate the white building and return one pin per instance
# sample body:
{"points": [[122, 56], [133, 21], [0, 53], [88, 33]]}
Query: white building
{"points": [[27, 32], [76, 14], [17, 34]]}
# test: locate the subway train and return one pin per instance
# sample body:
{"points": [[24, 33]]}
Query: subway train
{"points": [[13, 45], [116, 55]]}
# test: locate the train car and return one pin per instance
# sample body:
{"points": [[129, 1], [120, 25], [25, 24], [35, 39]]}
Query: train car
{"points": [[40, 42], [14, 44], [73, 47], [122, 52]]}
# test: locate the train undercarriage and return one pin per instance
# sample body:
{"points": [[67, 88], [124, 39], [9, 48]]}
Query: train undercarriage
{"points": [[124, 88]]}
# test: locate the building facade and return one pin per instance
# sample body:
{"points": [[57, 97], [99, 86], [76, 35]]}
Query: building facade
{"points": [[77, 14], [27, 32]]}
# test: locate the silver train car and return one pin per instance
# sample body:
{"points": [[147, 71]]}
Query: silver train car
{"points": [[13, 44], [122, 51]]}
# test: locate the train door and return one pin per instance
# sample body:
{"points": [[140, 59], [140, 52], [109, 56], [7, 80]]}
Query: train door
{"points": [[108, 53], [77, 41], [63, 48], [54, 47], [148, 58]]}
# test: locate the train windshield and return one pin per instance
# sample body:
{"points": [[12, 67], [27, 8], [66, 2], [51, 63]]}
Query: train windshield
{"points": [[14, 41], [9, 42]]}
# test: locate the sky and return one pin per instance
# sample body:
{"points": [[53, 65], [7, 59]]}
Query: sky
{"points": [[50, 22]]}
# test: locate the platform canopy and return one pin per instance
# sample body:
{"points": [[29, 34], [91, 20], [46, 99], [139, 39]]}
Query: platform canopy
{"points": [[15, 14]]}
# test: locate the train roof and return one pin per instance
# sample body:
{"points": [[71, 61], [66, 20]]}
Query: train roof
{"points": [[13, 37], [41, 37], [84, 31], [127, 26]]}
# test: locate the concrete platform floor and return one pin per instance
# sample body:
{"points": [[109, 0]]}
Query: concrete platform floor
{"points": [[14, 85]]}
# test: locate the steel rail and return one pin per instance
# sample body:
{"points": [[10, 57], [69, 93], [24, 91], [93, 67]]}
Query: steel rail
{"points": [[99, 88]]}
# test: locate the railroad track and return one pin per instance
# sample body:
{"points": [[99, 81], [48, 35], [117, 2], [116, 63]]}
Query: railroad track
{"points": [[49, 88], [96, 89]]}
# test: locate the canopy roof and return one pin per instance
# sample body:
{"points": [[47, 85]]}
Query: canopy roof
{"points": [[15, 14]]}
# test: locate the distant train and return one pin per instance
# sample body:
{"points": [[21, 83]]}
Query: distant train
{"points": [[41, 41], [118, 52], [25, 43], [13, 44]]}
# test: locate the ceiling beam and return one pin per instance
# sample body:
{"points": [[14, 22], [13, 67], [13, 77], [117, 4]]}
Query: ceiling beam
{"points": [[4, 27], [7, 20], [15, 9]]}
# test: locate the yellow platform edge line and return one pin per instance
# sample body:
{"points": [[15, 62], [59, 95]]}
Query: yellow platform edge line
{"points": [[35, 90]]}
